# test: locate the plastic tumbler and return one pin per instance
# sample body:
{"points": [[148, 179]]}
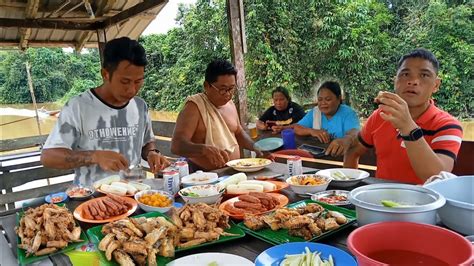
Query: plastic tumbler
{"points": [[288, 136]]}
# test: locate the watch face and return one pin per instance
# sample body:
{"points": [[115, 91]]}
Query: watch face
{"points": [[416, 134]]}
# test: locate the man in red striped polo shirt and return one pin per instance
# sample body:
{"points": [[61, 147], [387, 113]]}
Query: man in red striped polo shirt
{"points": [[413, 139]]}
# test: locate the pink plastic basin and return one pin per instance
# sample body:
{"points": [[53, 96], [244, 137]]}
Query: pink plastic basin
{"points": [[402, 243]]}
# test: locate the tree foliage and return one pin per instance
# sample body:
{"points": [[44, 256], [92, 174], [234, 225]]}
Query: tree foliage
{"points": [[296, 44]]}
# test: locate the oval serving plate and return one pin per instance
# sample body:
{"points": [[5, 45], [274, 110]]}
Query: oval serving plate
{"points": [[78, 212], [330, 197], [282, 199]]}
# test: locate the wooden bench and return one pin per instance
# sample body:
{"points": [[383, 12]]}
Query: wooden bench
{"points": [[16, 173]]}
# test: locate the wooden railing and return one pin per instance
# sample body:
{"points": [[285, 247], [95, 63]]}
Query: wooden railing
{"points": [[14, 175]]}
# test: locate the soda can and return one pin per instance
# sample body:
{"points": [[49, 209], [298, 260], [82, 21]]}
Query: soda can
{"points": [[295, 166], [182, 167], [171, 182]]}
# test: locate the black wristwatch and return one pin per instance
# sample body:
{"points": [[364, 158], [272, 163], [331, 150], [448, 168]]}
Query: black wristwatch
{"points": [[414, 135]]}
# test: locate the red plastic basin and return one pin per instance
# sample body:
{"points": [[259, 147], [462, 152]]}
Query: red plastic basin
{"points": [[402, 243]]}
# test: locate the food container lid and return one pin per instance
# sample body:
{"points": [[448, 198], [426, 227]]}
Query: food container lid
{"points": [[414, 198]]}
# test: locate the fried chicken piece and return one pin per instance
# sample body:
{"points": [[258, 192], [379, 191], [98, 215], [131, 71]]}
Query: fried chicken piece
{"points": [[126, 223], [187, 233], [36, 243], [76, 234], [321, 223], [198, 219], [140, 259], [209, 236], [156, 234], [167, 248], [122, 258], [152, 252], [330, 224], [340, 218], [301, 232], [254, 222], [56, 244], [273, 223], [149, 225], [106, 241], [135, 246], [193, 242], [313, 207], [163, 222], [45, 251], [175, 218], [315, 230], [113, 245], [296, 222]]}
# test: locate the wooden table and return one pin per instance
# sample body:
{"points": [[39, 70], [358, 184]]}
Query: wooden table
{"points": [[248, 246]]}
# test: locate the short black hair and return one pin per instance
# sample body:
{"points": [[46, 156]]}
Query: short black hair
{"points": [[333, 86], [420, 53], [217, 68], [282, 90], [124, 48]]}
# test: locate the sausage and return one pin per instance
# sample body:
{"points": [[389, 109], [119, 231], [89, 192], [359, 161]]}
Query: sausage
{"points": [[117, 203], [111, 204], [248, 205], [101, 205], [86, 213], [233, 210], [92, 209], [249, 198]]}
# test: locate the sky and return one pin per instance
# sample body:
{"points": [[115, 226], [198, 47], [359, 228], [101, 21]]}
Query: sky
{"points": [[166, 18]]}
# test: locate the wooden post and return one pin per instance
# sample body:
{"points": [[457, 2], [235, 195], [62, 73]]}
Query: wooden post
{"points": [[30, 85], [101, 40], [235, 17]]}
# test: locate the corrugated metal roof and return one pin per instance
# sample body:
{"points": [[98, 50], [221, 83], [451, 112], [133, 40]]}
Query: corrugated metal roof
{"points": [[71, 11]]}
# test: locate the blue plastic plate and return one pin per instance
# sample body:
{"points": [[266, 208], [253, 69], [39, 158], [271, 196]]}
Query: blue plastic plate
{"points": [[275, 255], [269, 144], [63, 196]]}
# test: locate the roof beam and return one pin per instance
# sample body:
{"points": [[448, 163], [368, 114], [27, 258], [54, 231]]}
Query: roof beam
{"points": [[46, 44], [85, 36], [30, 12], [131, 12], [45, 24]]}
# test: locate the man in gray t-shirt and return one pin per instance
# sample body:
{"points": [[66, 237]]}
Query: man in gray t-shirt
{"points": [[106, 129]]}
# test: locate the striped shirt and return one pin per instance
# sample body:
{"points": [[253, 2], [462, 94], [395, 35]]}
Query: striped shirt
{"points": [[442, 132]]}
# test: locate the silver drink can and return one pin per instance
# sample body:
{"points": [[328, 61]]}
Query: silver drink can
{"points": [[295, 166], [183, 168], [171, 182]]}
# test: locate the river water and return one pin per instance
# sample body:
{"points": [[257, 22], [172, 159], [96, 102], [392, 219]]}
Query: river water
{"points": [[27, 125]]}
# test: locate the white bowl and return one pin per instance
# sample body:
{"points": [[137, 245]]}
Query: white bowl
{"points": [[249, 164], [458, 213], [208, 194], [354, 176], [149, 208], [199, 178], [304, 189]]}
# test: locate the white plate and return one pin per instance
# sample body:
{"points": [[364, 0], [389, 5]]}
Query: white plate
{"points": [[249, 164], [205, 259]]}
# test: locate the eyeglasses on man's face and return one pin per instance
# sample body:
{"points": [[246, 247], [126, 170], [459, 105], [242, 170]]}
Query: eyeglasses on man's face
{"points": [[223, 90]]}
